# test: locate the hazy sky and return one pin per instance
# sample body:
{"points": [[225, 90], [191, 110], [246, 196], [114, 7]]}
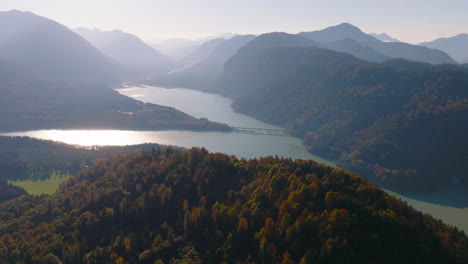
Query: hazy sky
{"points": [[408, 20]]}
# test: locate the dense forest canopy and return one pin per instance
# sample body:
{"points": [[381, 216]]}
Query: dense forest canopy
{"points": [[402, 123], [170, 206], [9, 191]]}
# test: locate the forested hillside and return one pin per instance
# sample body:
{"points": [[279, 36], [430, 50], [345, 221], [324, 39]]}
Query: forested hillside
{"points": [[402, 123], [23, 158], [9, 191], [169, 206]]}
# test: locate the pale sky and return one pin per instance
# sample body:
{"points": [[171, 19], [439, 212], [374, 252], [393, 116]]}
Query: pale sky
{"points": [[152, 20]]}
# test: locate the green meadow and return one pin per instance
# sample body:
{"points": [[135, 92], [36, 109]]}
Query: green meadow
{"points": [[47, 186]]}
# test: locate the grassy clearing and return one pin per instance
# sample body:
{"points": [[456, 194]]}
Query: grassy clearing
{"points": [[48, 186]]}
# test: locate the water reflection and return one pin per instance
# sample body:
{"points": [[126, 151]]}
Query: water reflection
{"points": [[195, 103], [241, 145]]}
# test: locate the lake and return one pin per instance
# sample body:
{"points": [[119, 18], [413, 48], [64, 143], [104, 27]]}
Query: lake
{"points": [[217, 108]]}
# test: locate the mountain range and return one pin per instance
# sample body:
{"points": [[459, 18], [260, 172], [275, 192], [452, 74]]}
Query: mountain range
{"points": [[256, 72], [247, 57], [201, 53], [384, 37], [393, 112], [343, 38], [130, 51], [211, 59], [176, 48], [53, 78], [390, 49], [30, 103], [455, 46], [51, 50], [369, 117], [179, 48]]}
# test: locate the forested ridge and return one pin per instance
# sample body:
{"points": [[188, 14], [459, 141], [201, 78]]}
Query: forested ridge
{"points": [[402, 123], [9, 191], [170, 206], [23, 158]]}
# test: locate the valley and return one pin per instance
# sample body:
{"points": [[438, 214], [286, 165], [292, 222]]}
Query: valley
{"points": [[123, 143], [453, 209]]}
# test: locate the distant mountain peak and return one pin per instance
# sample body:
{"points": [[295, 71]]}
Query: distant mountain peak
{"points": [[456, 37], [384, 37], [127, 49], [279, 36], [339, 32], [16, 11], [455, 46], [346, 25], [389, 49]]}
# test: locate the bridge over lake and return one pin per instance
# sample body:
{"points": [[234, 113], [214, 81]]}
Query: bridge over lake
{"points": [[260, 131]]}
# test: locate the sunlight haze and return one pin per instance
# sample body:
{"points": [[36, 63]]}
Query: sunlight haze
{"points": [[412, 21]]}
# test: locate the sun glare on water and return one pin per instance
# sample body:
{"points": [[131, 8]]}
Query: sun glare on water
{"points": [[89, 137]]}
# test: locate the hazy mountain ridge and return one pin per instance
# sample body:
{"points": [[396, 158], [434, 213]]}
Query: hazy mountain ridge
{"points": [[176, 48], [343, 38], [391, 49], [339, 32], [51, 50], [201, 53], [384, 37], [203, 74], [352, 47], [247, 57], [180, 48], [455, 46], [28, 102], [130, 51], [21, 20], [214, 62], [55, 79], [166, 206], [44, 105], [359, 113]]}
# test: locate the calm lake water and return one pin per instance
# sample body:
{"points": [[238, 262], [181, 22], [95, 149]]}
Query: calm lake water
{"points": [[217, 108]]}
